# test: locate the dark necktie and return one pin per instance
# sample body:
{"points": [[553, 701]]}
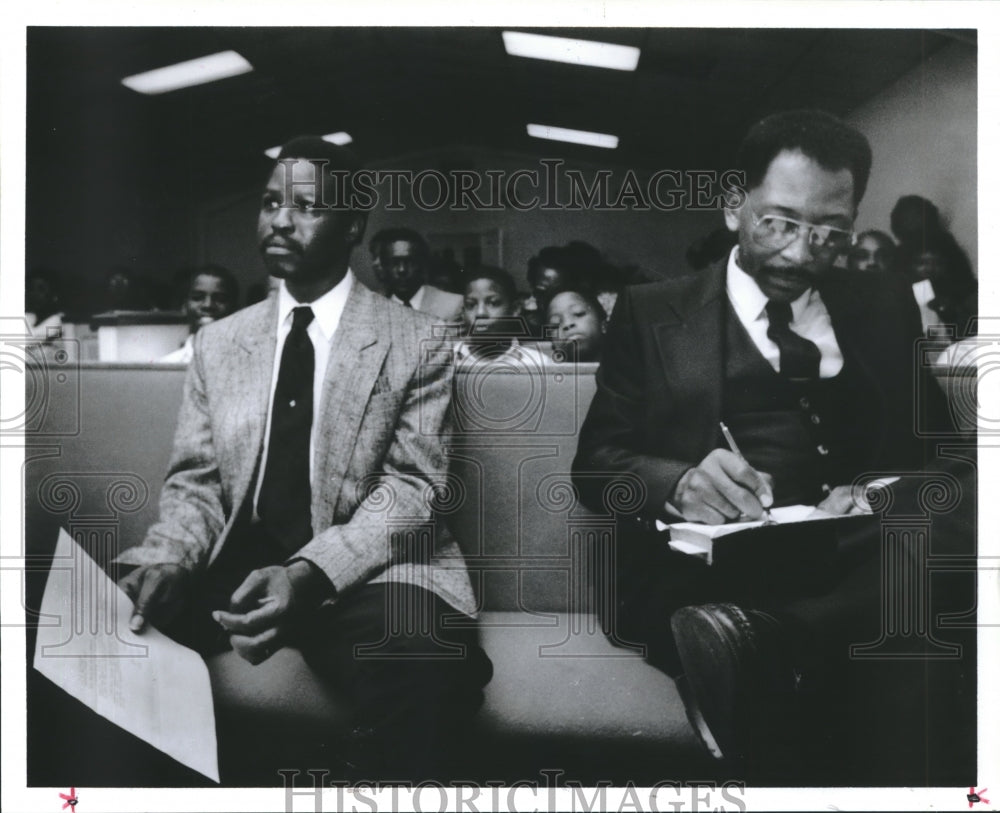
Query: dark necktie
{"points": [[285, 497], [799, 357]]}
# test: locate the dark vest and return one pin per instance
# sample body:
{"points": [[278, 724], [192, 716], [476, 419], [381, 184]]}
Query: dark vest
{"points": [[803, 434]]}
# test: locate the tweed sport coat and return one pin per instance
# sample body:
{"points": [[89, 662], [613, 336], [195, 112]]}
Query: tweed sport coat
{"points": [[444, 305], [384, 417]]}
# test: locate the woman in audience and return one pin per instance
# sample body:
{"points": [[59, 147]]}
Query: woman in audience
{"points": [[579, 321], [493, 326], [874, 251]]}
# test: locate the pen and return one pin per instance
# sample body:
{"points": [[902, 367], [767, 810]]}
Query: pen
{"points": [[768, 519]]}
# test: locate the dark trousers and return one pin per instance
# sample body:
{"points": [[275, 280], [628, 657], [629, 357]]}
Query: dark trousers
{"points": [[408, 665], [881, 714]]}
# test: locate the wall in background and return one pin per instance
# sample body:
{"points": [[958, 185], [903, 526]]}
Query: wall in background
{"points": [[87, 213], [654, 240], [923, 135]]}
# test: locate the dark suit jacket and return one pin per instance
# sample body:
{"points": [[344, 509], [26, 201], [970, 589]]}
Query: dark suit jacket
{"points": [[660, 384]]}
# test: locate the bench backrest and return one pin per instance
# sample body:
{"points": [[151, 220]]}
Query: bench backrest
{"points": [[101, 437]]}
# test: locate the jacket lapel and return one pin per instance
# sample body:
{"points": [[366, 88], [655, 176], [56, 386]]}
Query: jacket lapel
{"points": [[690, 342], [251, 395], [356, 356]]}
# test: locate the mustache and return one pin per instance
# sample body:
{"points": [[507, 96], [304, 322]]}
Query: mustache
{"points": [[281, 242], [796, 272]]}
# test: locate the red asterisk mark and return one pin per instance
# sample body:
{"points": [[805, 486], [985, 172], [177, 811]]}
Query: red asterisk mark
{"points": [[977, 796], [71, 800]]}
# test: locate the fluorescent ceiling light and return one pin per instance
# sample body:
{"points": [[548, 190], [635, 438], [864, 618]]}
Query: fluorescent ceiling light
{"points": [[340, 138], [575, 52], [609, 142], [185, 74]]}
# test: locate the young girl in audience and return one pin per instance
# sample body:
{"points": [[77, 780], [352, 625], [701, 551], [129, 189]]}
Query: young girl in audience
{"points": [[578, 321], [493, 327]]}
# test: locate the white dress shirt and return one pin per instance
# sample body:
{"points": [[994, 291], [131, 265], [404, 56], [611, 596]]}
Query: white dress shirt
{"points": [[517, 355], [923, 292], [182, 355], [415, 300], [327, 311], [810, 320]]}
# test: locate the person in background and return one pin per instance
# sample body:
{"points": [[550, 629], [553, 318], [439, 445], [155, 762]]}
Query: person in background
{"points": [[874, 251], [493, 327], [124, 291], [375, 259], [41, 304], [578, 321], [551, 268], [592, 269], [446, 274], [404, 260], [945, 294], [944, 286], [212, 293]]}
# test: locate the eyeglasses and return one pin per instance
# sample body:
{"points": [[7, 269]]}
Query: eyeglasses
{"points": [[777, 232]]}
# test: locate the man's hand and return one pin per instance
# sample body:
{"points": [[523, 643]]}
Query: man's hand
{"points": [[263, 607], [158, 592], [842, 501], [723, 487]]}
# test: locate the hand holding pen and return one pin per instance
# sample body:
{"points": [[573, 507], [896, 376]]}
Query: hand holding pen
{"points": [[723, 488], [767, 499]]}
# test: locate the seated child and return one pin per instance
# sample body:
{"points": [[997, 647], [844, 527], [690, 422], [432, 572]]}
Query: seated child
{"points": [[211, 294], [492, 325], [578, 322]]}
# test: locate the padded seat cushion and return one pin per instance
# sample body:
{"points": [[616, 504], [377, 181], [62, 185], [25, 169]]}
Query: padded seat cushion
{"points": [[550, 682], [546, 682]]}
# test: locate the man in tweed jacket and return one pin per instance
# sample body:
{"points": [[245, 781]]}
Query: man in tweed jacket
{"points": [[213, 570]]}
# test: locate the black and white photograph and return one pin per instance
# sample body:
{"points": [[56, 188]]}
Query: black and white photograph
{"points": [[525, 410]]}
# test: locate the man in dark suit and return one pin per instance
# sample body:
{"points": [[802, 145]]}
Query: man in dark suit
{"points": [[811, 368], [298, 506], [404, 263]]}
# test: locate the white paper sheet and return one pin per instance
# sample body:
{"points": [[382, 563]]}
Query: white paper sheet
{"points": [[147, 684]]}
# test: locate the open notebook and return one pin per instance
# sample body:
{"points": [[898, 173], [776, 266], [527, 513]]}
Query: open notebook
{"points": [[794, 525]]}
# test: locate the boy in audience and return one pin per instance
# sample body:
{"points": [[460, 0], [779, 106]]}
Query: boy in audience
{"points": [[492, 322], [579, 321], [212, 294]]}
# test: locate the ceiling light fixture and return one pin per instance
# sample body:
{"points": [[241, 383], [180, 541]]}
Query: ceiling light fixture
{"points": [[198, 71], [604, 140], [575, 52], [340, 138]]}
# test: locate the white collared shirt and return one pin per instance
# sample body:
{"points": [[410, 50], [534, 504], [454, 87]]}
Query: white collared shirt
{"points": [[327, 311], [531, 358], [923, 292], [415, 300], [182, 355], [810, 319]]}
